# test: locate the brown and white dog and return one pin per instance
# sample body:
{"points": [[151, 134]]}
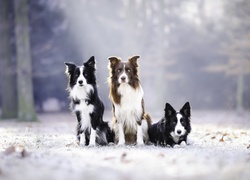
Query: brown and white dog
{"points": [[130, 120]]}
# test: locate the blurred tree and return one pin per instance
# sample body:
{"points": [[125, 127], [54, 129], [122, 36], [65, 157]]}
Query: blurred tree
{"points": [[235, 47], [26, 111], [50, 47], [238, 47], [7, 69], [130, 31], [176, 39]]}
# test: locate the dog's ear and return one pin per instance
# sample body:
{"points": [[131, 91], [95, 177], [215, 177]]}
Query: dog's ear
{"points": [[133, 60], [90, 62], [70, 67], [163, 121], [113, 61], [169, 110], [186, 109]]}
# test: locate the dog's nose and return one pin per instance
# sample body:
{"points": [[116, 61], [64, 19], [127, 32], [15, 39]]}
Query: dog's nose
{"points": [[123, 78], [178, 131], [80, 82]]}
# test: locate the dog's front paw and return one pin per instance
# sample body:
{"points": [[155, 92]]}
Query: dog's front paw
{"points": [[121, 143], [190, 141], [176, 146], [140, 143], [82, 143], [183, 144], [81, 140], [92, 144]]}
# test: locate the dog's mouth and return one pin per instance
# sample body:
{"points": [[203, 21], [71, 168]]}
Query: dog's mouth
{"points": [[80, 85], [177, 134], [123, 82]]}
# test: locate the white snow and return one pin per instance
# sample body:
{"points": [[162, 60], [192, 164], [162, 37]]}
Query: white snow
{"points": [[47, 150]]}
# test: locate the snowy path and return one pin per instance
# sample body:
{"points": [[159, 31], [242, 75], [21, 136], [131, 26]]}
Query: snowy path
{"points": [[47, 150]]}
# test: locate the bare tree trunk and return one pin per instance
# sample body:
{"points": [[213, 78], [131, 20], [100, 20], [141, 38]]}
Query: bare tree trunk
{"points": [[7, 69], [26, 111]]}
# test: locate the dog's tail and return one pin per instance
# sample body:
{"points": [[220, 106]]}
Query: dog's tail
{"points": [[104, 134], [147, 118], [146, 123]]}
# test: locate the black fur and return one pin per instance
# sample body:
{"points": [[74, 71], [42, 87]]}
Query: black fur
{"points": [[91, 98], [160, 132]]}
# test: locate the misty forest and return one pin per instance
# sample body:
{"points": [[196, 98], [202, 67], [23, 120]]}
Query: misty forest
{"points": [[193, 50], [190, 50]]}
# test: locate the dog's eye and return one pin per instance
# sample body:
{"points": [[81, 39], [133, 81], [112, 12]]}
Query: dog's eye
{"points": [[128, 70], [85, 74], [118, 70]]}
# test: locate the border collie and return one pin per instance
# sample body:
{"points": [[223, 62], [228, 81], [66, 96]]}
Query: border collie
{"points": [[173, 128], [86, 104], [130, 120]]}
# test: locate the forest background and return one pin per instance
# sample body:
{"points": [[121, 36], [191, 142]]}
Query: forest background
{"points": [[192, 50]]}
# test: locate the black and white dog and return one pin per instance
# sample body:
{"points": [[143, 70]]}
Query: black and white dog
{"points": [[173, 128], [86, 104]]}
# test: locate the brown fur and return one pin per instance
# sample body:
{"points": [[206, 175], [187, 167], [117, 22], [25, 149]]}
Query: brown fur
{"points": [[115, 66]]}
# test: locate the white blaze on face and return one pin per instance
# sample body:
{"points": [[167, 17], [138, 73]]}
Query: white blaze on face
{"points": [[179, 129], [123, 78], [81, 89], [81, 81]]}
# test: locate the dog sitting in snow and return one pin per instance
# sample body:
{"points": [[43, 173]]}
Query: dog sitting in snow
{"points": [[130, 120], [173, 128], [86, 104]]}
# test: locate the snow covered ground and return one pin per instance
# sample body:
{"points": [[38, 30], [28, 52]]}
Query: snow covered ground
{"points": [[47, 150]]}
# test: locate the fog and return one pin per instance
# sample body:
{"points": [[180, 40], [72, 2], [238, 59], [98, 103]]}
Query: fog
{"points": [[192, 50]]}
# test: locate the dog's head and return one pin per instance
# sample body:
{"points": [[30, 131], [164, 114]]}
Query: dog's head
{"points": [[123, 71], [178, 123], [81, 75]]}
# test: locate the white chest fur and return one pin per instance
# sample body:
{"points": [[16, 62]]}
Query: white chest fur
{"points": [[86, 110], [175, 138], [81, 94], [129, 111]]}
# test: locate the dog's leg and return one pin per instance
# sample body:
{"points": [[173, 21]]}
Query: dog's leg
{"points": [[144, 125], [82, 139], [121, 134], [80, 134], [92, 137], [183, 144], [139, 135], [189, 141], [87, 134]]}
